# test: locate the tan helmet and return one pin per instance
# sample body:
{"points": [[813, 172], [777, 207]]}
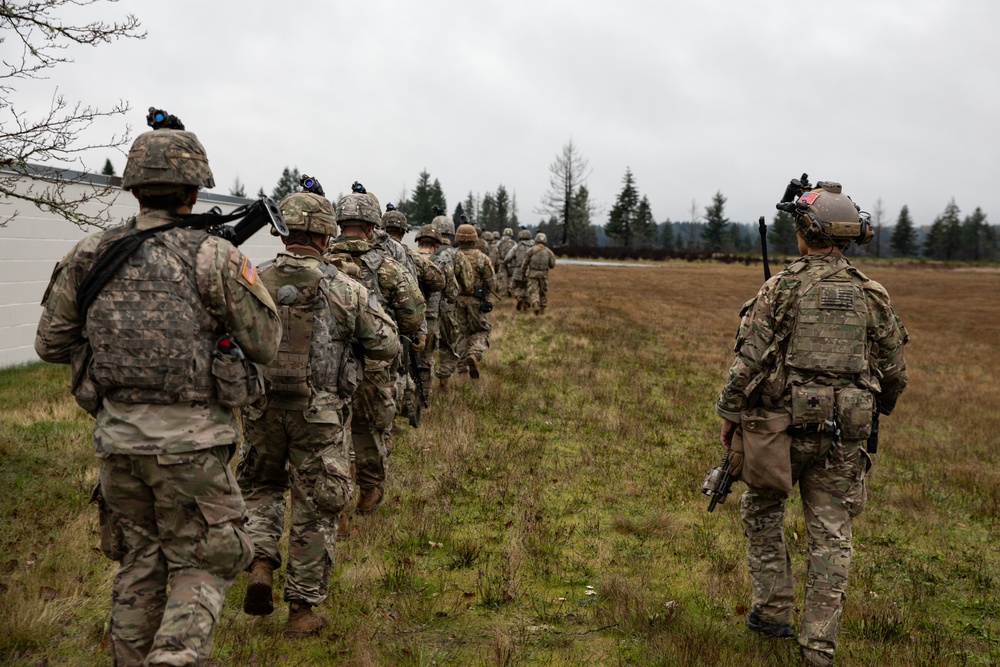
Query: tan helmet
{"points": [[508, 232], [826, 216], [359, 208], [466, 234], [541, 238], [308, 212], [428, 232], [487, 236], [167, 157], [393, 218], [524, 235], [444, 225]]}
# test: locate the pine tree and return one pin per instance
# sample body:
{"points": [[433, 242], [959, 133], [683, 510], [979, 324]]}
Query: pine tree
{"points": [[944, 239], [238, 189], [667, 235], [261, 193], [645, 225], [488, 211], [287, 184], [975, 236], [109, 169], [622, 221], [419, 209], [716, 222], [904, 236], [502, 217], [781, 235]]}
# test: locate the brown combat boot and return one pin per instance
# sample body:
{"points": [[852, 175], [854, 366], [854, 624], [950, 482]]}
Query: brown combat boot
{"points": [[343, 526], [303, 621], [443, 385], [258, 600], [473, 366], [371, 497]]}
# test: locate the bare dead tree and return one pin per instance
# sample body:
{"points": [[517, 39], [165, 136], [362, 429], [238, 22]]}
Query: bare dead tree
{"points": [[56, 134], [567, 174]]}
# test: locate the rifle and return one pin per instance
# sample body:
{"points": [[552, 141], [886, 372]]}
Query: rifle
{"points": [[762, 228], [718, 483], [482, 292], [413, 369], [416, 370], [872, 445]]}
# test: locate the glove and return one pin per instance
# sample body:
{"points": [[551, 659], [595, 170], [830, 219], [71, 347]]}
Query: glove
{"points": [[419, 342]]}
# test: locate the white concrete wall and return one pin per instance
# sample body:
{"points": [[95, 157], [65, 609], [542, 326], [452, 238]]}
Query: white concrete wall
{"points": [[34, 241]]}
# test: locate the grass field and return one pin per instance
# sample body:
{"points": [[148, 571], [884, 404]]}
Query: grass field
{"points": [[550, 514]]}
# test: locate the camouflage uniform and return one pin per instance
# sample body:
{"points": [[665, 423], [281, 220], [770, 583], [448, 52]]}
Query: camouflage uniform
{"points": [[448, 331], [514, 261], [374, 405], [820, 325], [163, 439], [297, 439], [535, 271], [473, 325], [500, 265], [432, 285]]}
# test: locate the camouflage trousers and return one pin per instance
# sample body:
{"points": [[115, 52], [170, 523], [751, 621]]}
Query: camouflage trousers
{"points": [[520, 293], [427, 355], [473, 329], [536, 293], [372, 412], [831, 483], [179, 519], [287, 451], [448, 337], [503, 279]]}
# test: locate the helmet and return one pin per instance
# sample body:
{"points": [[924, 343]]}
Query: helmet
{"points": [[508, 232], [487, 236], [523, 235], [393, 218], [428, 232], [359, 208], [308, 212], [167, 157], [466, 234], [541, 238], [443, 225], [825, 216]]}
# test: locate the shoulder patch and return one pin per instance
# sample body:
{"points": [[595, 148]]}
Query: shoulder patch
{"points": [[249, 271]]}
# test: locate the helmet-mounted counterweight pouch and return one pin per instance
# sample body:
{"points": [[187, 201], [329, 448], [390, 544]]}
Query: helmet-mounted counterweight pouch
{"points": [[824, 214]]}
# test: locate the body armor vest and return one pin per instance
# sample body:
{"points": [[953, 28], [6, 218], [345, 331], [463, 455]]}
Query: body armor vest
{"points": [[538, 262], [830, 331], [522, 250], [151, 334], [312, 347]]}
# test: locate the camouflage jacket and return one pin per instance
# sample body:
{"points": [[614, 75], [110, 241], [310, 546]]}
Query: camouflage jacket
{"points": [[225, 286], [345, 317], [515, 258], [760, 372], [449, 258], [503, 247], [397, 289], [481, 267], [444, 259], [537, 261], [393, 248]]}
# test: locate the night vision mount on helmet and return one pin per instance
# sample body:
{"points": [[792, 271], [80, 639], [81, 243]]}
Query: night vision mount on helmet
{"points": [[824, 214]]}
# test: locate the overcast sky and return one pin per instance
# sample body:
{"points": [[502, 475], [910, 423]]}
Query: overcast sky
{"points": [[895, 99]]}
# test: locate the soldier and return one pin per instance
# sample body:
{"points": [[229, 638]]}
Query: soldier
{"points": [[448, 332], [818, 350], [374, 405], [431, 282], [296, 439], [514, 259], [503, 275], [482, 243], [535, 272], [429, 247], [151, 350], [473, 326]]}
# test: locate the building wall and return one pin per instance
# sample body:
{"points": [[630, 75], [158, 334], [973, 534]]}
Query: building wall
{"points": [[34, 241]]}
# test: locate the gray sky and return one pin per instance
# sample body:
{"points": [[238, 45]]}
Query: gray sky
{"points": [[895, 99]]}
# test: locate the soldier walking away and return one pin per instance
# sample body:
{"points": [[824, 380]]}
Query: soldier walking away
{"points": [[473, 305], [165, 430], [535, 272], [429, 247], [448, 332], [514, 259], [819, 353], [296, 438], [374, 405], [503, 246]]}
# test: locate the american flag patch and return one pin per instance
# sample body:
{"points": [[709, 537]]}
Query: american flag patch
{"points": [[839, 298], [809, 197], [249, 271]]}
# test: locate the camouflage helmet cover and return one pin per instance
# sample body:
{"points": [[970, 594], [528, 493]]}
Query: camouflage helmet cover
{"points": [[825, 214], [308, 212], [393, 218], [359, 209], [524, 235], [428, 232], [466, 234], [487, 236], [508, 232], [541, 238], [443, 225], [167, 157]]}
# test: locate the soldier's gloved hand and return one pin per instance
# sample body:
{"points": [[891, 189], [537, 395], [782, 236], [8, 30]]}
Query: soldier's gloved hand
{"points": [[419, 342]]}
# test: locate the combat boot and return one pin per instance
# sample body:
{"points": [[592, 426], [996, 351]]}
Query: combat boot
{"points": [[473, 367], [302, 620], [371, 497], [755, 623], [343, 526], [258, 600], [812, 658]]}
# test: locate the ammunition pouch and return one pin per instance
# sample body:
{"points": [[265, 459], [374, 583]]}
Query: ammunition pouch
{"points": [[84, 389], [238, 382], [766, 449], [855, 408], [352, 371]]}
